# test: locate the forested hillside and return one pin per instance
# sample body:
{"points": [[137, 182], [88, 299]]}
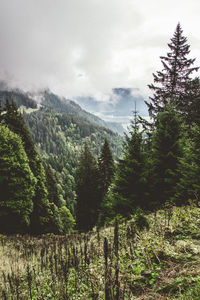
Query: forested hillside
{"points": [[159, 165], [58, 138], [60, 172], [58, 104], [66, 106]]}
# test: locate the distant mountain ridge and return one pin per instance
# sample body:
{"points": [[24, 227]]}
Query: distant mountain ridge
{"points": [[58, 104], [118, 106], [59, 129], [63, 105]]}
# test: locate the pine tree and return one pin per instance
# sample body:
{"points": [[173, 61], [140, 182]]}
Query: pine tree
{"points": [[189, 105], [14, 120], [166, 151], [61, 220], [53, 193], [173, 80], [67, 219], [106, 172], [106, 168], [127, 191], [87, 190], [17, 184], [196, 151], [188, 187], [40, 217]]}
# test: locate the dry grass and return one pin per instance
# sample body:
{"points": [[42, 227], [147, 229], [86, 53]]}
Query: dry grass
{"points": [[162, 262]]}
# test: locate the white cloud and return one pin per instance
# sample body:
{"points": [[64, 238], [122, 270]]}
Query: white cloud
{"points": [[89, 47]]}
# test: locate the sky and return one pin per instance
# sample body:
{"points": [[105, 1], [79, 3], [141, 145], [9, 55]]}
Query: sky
{"points": [[81, 48]]}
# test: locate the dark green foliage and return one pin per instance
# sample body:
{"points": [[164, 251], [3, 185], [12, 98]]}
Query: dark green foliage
{"points": [[59, 138], [127, 191], [53, 131], [141, 221], [87, 190], [106, 172], [166, 151], [196, 151], [106, 168], [61, 218], [15, 122], [174, 79], [20, 98], [53, 193], [189, 105], [59, 129], [67, 220], [17, 184], [41, 216], [188, 187], [71, 108]]}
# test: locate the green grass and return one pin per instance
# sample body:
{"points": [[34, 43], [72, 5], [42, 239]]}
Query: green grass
{"points": [[159, 262]]}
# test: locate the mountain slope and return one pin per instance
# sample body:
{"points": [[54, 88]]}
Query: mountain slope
{"points": [[58, 104], [65, 106], [59, 130]]}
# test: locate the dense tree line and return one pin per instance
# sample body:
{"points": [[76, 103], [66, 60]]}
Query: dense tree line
{"points": [[59, 139], [160, 165], [24, 183], [92, 182]]}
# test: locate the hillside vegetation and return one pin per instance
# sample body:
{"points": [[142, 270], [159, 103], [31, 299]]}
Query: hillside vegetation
{"points": [[104, 228], [59, 129], [151, 257], [59, 139]]}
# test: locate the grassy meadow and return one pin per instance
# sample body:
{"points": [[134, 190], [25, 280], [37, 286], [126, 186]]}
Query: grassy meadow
{"points": [[156, 256]]}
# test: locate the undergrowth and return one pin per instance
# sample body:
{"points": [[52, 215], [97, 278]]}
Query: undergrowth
{"points": [[151, 257]]}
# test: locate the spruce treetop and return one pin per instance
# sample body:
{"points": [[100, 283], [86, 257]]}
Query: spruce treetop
{"points": [[174, 78]]}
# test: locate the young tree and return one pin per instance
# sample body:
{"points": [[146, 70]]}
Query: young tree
{"points": [[106, 168], [53, 193], [15, 122], [61, 219], [127, 191], [173, 80], [67, 219], [87, 191], [17, 184], [166, 151]]}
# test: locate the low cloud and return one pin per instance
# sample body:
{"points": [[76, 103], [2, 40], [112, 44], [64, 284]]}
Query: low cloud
{"points": [[81, 48]]}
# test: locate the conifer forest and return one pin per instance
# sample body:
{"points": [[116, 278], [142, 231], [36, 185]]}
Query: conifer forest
{"points": [[88, 214]]}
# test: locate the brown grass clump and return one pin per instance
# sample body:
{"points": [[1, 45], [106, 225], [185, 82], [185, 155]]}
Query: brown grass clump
{"points": [[115, 263]]}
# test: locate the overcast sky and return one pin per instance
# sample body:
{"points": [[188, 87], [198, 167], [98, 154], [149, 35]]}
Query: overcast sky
{"points": [[89, 47]]}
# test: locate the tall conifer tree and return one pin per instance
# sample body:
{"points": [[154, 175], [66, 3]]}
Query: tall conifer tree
{"points": [[128, 188], [106, 172], [17, 184], [166, 151], [53, 193], [87, 190], [188, 187], [40, 217], [106, 168], [173, 80]]}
